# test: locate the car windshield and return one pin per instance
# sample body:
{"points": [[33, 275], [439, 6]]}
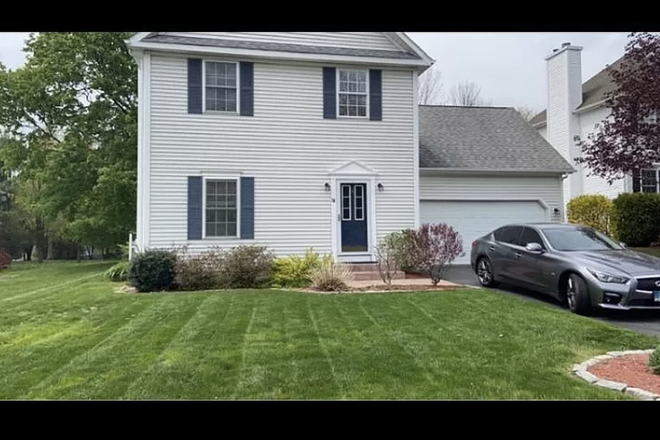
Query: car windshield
{"points": [[579, 239]]}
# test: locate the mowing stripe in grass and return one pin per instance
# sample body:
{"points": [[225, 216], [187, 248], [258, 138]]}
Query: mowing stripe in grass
{"points": [[241, 379], [39, 360], [49, 288], [322, 345], [106, 347], [185, 333], [428, 375]]}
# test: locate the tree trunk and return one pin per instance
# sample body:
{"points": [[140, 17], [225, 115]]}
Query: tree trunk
{"points": [[78, 252], [49, 253]]}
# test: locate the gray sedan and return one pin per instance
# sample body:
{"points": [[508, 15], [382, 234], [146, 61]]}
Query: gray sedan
{"points": [[575, 264]]}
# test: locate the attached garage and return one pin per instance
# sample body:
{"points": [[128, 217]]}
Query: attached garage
{"points": [[484, 167], [473, 219]]}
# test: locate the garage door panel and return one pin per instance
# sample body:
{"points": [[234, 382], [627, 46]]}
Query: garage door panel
{"points": [[475, 219]]}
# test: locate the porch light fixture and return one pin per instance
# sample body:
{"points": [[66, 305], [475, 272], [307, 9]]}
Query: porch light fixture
{"points": [[556, 210], [380, 187], [327, 186]]}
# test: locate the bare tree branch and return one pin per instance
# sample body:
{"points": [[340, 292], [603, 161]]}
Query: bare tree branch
{"points": [[526, 112], [430, 87], [467, 94]]}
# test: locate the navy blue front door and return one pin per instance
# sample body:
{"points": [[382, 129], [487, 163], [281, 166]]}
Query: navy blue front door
{"points": [[353, 215]]}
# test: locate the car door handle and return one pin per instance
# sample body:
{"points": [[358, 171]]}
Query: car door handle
{"points": [[491, 248], [517, 255]]}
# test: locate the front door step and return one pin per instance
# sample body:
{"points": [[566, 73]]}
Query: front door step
{"points": [[369, 272]]}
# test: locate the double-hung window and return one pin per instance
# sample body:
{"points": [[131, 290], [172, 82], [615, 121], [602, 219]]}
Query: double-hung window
{"points": [[353, 92], [221, 86], [650, 181], [221, 207]]}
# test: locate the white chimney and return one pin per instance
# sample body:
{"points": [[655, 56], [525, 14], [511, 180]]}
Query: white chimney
{"points": [[564, 96]]}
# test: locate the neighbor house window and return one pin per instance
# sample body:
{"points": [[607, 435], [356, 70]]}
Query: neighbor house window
{"points": [[220, 86], [221, 208], [353, 90], [649, 182]]}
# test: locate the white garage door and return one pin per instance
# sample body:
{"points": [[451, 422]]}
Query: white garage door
{"points": [[474, 219]]}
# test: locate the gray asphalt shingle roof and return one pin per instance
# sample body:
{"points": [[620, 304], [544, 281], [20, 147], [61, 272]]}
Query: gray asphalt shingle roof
{"points": [[279, 47], [483, 138], [593, 91]]}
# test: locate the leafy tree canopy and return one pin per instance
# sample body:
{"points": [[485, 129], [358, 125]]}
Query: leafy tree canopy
{"points": [[629, 139]]}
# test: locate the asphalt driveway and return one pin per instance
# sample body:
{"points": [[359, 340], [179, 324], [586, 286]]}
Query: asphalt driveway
{"points": [[647, 322]]}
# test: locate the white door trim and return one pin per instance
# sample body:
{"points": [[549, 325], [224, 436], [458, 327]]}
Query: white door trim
{"points": [[370, 182]]}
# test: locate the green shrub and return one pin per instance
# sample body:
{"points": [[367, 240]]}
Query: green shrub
{"points": [[247, 267], [393, 254], [199, 272], [654, 361], [152, 270], [118, 272], [295, 271], [331, 276], [637, 218], [593, 210]]}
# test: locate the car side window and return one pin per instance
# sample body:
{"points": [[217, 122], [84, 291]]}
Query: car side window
{"points": [[530, 236], [508, 234]]}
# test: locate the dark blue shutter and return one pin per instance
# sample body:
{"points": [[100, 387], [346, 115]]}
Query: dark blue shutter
{"points": [[329, 93], [247, 88], [376, 95], [195, 192], [637, 181], [195, 85], [247, 207]]}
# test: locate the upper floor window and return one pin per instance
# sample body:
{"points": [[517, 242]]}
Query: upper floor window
{"points": [[353, 91], [220, 86]]}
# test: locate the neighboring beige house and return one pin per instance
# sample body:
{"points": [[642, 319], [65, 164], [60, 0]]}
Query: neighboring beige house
{"points": [[575, 109]]}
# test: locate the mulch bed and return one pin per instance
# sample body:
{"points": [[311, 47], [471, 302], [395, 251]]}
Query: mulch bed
{"points": [[632, 369], [379, 288]]}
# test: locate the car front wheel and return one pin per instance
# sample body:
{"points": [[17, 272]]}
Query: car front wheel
{"points": [[577, 295], [485, 273]]}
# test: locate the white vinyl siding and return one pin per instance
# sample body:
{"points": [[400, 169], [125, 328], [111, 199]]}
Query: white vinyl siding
{"points": [[287, 147], [355, 40], [595, 184], [505, 187]]}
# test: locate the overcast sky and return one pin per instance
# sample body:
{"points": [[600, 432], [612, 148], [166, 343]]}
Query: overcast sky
{"points": [[509, 67]]}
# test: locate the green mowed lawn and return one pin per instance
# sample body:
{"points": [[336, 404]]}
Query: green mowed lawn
{"points": [[65, 333]]}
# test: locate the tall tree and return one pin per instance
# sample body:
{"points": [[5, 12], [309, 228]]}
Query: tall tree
{"points": [[72, 110], [629, 138], [430, 87], [467, 93]]}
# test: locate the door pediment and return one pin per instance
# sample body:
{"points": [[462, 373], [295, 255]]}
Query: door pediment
{"points": [[353, 168]]}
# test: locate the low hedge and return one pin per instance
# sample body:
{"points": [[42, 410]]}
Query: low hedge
{"points": [[593, 210], [637, 218]]}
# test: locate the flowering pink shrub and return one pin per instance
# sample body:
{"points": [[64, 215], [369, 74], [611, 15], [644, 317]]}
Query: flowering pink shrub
{"points": [[433, 248]]}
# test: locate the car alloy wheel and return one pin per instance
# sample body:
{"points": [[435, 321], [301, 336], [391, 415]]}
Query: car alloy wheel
{"points": [[570, 293], [485, 272]]}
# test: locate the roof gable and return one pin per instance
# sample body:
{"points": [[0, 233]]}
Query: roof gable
{"points": [[389, 47], [484, 138]]}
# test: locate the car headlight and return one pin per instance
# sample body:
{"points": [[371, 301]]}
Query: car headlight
{"points": [[608, 277]]}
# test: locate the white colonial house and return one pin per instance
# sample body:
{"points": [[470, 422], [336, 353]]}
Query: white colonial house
{"points": [[298, 140], [577, 109]]}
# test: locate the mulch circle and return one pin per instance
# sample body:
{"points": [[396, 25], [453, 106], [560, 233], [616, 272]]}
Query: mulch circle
{"points": [[632, 369]]}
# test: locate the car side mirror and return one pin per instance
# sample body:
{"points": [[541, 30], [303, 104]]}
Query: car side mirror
{"points": [[534, 248]]}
